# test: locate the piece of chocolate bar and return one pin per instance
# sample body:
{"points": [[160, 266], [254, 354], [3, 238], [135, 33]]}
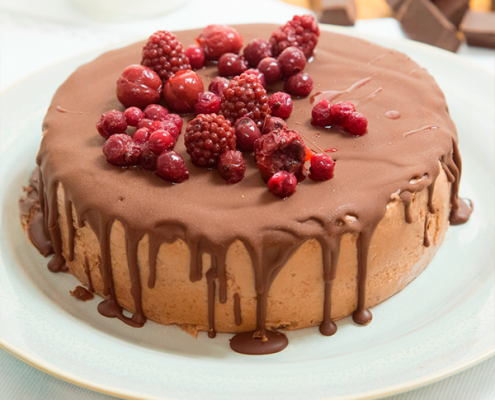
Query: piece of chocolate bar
{"points": [[395, 4], [336, 12], [423, 21], [454, 10], [479, 28]]}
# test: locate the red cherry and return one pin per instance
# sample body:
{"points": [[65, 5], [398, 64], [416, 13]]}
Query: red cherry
{"points": [[170, 167], [322, 167], [160, 141], [155, 112], [282, 184], [133, 115], [181, 91], [196, 56], [139, 86], [280, 104]]}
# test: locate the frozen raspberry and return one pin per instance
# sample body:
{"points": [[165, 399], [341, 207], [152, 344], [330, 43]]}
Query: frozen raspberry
{"points": [[155, 112], [163, 53], [175, 119], [207, 137], [340, 111], [216, 40], [181, 91], [299, 84], [196, 56], [208, 103], [256, 50], [245, 97], [271, 70], [111, 123], [121, 150], [273, 124], [281, 105], [148, 158], [282, 184], [301, 32], [160, 141], [280, 150], [320, 115], [139, 86], [246, 133], [142, 135], [292, 61], [218, 85], [356, 124], [133, 115], [230, 64], [322, 167], [231, 166], [170, 167], [256, 72]]}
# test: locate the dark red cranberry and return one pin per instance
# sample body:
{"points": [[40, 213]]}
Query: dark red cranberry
{"points": [[356, 124], [170, 167], [166, 125], [196, 56], [257, 73], [155, 112], [142, 135], [121, 150], [133, 115], [292, 61], [231, 166], [208, 103], [271, 70], [216, 40], [299, 84], [246, 133], [218, 85], [176, 119], [281, 105], [282, 184], [148, 158], [340, 111], [273, 123], [256, 50], [111, 123], [139, 86], [320, 115], [181, 91], [161, 141], [322, 167], [231, 65], [145, 123]]}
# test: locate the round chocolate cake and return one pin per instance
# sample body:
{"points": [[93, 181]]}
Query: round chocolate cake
{"points": [[208, 256]]}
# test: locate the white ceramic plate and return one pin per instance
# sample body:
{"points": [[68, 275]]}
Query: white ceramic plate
{"points": [[441, 323]]}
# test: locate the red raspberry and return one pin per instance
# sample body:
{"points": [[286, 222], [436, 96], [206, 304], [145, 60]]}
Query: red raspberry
{"points": [[256, 50], [271, 69], [139, 86], [133, 115], [181, 91], [280, 150], [273, 123], [281, 105], [299, 84], [218, 85], [111, 123], [121, 150], [341, 111], [282, 184], [170, 167], [216, 40], [356, 124], [175, 119], [231, 166], [292, 61], [161, 141], [301, 32], [148, 158], [245, 97], [155, 112], [207, 137], [256, 72], [142, 135], [163, 54], [322, 167], [230, 64], [321, 115], [246, 133], [196, 56], [208, 103]]}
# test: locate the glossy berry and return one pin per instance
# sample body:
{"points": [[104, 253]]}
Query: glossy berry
{"points": [[121, 150], [155, 112], [246, 133], [138, 86], [340, 111], [230, 64], [245, 97], [111, 123], [282, 184], [176, 120], [299, 84], [142, 135], [272, 124], [322, 167], [160, 141], [170, 167], [256, 50], [181, 91], [148, 158], [356, 124], [133, 115], [281, 105], [208, 103], [163, 53], [271, 70], [218, 85], [292, 61], [207, 137], [165, 125], [301, 32], [216, 40], [320, 115], [257, 73], [231, 166], [196, 56]]}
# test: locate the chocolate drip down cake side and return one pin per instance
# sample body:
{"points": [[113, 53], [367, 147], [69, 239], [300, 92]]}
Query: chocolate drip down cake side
{"points": [[347, 181]]}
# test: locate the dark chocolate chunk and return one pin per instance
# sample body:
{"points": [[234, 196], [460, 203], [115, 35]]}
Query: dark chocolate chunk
{"points": [[479, 29], [423, 21], [454, 10], [395, 4], [336, 12]]}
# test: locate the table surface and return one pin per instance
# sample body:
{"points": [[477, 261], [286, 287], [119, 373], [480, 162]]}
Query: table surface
{"points": [[35, 34]]}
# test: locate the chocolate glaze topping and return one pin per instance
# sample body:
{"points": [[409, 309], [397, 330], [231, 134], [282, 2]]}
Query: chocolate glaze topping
{"points": [[398, 155]]}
